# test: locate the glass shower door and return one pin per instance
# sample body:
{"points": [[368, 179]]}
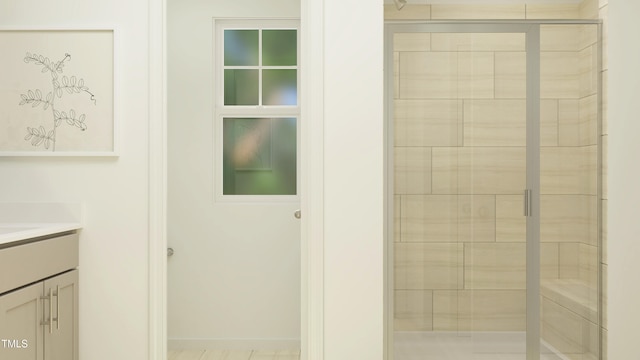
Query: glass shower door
{"points": [[458, 140], [570, 191]]}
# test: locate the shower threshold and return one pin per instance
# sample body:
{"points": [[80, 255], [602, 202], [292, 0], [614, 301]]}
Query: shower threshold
{"points": [[489, 345]]}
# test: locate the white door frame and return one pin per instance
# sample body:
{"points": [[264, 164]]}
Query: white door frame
{"points": [[312, 199]]}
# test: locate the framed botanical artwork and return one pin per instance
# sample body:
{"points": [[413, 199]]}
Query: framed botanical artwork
{"points": [[57, 92]]}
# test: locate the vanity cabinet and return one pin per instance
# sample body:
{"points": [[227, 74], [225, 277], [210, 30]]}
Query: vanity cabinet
{"points": [[39, 319]]}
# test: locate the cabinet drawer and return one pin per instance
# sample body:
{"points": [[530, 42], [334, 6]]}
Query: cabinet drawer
{"points": [[24, 264]]}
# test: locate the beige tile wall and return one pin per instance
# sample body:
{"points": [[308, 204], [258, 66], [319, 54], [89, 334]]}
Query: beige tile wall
{"points": [[603, 13], [553, 11], [460, 169], [445, 11]]}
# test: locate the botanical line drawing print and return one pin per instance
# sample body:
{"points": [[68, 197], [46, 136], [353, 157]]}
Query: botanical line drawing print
{"points": [[60, 84]]}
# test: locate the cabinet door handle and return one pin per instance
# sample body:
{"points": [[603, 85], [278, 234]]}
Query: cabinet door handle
{"points": [[50, 322], [51, 318], [57, 318]]}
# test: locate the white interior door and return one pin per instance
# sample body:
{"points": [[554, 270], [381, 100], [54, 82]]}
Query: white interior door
{"points": [[234, 277]]}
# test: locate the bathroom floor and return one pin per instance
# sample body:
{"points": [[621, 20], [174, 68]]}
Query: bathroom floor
{"points": [[464, 346], [234, 355]]}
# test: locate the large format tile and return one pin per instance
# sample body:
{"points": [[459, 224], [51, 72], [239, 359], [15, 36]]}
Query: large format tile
{"points": [[412, 170], [553, 11], [605, 102], [511, 224], [589, 9], [592, 204], [548, 122], [588, 257], [397, 214], [471, 11], [592, 335], [559, 75], [429, 218], [428, 122], [560, 37], [569, 122], [476, 218], [491, 310], [569, 261], [412, 42], [578, 121], [561, 328], [589, 120], [428, 75], [420, 266], [605, 344], [479, 170], [408, 12], [475, 75], [605, 294], [572, 294], [605, 234], [477, 42], [413, 310], [566, 170], [495, 123], [588, 35], [549, 261], [446, 75], [605, 166], [445, 310], [396, 75], [495, 266], [604, 15], [447, 218], [445, 162], [510, 75], [565, 218], [588, 70]]}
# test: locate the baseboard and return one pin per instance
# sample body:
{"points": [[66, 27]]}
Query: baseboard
{"points": [[233, 344]]}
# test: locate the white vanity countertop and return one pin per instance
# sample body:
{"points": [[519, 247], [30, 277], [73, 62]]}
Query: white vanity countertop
{"points": [[22, 221], [10, 232]]}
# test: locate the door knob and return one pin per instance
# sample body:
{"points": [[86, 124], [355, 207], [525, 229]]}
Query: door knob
{"points": [[169, 252], [297, 214]]}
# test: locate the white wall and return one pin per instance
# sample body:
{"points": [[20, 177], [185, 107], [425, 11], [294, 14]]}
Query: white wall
{"points": [[114, 244], [229, 283], [353, 181], [624, 180]]}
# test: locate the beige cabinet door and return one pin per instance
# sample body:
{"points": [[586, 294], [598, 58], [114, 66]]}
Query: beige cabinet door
{"points": [[61, 339], [20, 324]]}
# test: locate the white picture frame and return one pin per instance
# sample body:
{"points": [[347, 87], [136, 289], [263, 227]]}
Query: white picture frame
{"points": [[58, 92]]}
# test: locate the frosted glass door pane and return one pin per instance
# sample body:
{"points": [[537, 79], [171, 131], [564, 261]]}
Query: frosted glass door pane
{"points": [[240, 47], [240, 87], [260, 156], [279, 87], [279, 48]]}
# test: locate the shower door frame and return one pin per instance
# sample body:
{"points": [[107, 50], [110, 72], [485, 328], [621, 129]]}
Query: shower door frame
{"points": [[531, 29]]}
